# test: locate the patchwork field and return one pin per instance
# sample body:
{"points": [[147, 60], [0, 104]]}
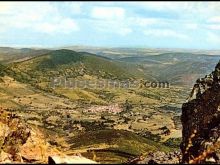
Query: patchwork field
{"points": [[137, 128]]}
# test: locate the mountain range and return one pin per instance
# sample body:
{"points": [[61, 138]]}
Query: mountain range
{"points": [[119, 63]]}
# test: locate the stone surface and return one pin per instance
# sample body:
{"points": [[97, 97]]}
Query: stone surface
{"points": [[56, 159], [201, 120], [5, 157]]}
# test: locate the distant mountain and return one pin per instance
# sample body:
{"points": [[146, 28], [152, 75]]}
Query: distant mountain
{"points": [[116, 53], [177, 68], [120, 52], [8, 55], [73, 64], [172, 58]]}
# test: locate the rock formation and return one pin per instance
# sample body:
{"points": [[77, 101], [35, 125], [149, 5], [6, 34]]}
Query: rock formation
{"points": [[201, 121], [13, 134], [21, 143]]}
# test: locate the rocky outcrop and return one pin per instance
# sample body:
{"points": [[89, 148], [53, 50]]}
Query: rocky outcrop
{"points": [[13, 134], [21, 143], [201, 121]]}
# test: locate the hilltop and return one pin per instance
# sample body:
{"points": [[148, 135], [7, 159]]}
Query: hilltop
{"points": [[9, 55], [72, 64], [164, 65]]}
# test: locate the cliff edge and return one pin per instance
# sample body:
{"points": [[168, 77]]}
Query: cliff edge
{"points": [[201, 121]]}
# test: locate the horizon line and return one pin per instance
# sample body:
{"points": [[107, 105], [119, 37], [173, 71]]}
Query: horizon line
{"points": [[95, 46]]}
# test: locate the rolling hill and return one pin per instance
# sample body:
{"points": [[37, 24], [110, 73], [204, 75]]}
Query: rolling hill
{"points": [[177, 68], [172, 58], [117, 53], [37, 65], [72, 64], [9, 55]]}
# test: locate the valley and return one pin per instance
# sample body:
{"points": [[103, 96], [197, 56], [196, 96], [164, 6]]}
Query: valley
{"points": [[67, 118], [108, 125]]}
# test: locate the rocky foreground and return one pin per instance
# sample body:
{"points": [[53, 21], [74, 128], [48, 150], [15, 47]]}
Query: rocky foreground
{"points": [[21, 143]]}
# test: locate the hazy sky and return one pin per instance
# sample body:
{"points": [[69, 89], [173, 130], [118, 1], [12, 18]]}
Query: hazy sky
{"points": [[115, 24]]}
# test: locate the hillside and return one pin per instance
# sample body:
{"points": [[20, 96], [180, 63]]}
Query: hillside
{"points": [[177, 68], [84, 66], [8, 55], [63, 122], [2, 72], [2, 68], [114, 146], [72, 64]]}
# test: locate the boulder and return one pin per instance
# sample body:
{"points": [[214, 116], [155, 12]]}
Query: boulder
{"points": [[56, 159]]}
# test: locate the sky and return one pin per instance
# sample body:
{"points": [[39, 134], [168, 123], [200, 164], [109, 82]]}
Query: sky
{"points": [[190, 25]]}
